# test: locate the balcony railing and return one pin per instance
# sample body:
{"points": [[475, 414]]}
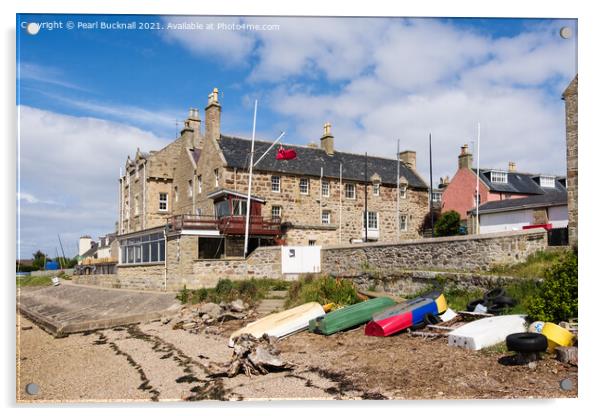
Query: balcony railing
{"points": [[229, 225]]}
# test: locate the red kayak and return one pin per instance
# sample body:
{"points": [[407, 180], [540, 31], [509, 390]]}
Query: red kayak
{"points": [[405, 314]]}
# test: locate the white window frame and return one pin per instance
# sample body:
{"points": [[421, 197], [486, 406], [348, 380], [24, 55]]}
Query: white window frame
{"points": [[348, 187], [137, 204], [403, 222], [368, 219], [547, 181], [403, 191], [304, 183], [436, 196], [166, 201], [216, 174], [376, 189], [326, 217], [325, 185], [277, 208], [276, 184], [498, 176]]}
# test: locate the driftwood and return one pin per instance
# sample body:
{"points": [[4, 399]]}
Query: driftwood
{"points": [[253, 356]]}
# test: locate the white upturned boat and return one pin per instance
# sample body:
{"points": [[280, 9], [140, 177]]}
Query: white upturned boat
{"points": [[282, 323], [486, 332]]}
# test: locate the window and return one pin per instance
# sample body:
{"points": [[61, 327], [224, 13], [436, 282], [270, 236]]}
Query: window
{"points": [[325, 188], [474, 200], [148, 248], [499, 176], [311, 243], [190, 188], [137, 205], [325, 217], [507, 196], [547, 181], [239, 207], [275, 183], [402, 191], [138, 172], [304, 186], [127, 210], [176, 197], [436, 197], [350, 190], [199, 212], [276, 212], [372, 221], [376, 189], [163, 201], [216, 175], [403, 222], [200, 183]]}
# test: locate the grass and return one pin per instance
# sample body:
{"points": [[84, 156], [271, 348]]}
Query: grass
{"points": [[23, 281], [226, 290], [533, 267], [323, 289]]}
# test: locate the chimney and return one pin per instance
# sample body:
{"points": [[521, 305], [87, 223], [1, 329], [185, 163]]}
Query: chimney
{"points": [[85, 244], [408, 157], [511, 167], [192, 129], [327, 140], [465, 158], [213, 116]]}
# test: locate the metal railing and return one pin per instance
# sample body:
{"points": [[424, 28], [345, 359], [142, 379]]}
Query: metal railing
{"points": [[231, 224]]}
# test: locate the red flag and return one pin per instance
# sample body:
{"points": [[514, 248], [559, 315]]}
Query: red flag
{"points": [[286, 154]]}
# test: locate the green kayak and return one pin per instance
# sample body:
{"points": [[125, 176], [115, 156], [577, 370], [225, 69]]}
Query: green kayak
{"points": [[349, 316]]}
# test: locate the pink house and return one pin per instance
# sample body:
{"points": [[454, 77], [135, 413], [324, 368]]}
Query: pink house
{"points": [[494, 185]]}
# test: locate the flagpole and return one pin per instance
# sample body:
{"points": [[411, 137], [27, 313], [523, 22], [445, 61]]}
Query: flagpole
{"points": [[397, 212], [366, 196], [270, 148], [478, 177], [340, 202], [249, 182], [431, 192]]}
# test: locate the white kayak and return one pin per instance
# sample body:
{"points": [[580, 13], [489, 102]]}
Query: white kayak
{"points": [[282, 323], [486, 332]]}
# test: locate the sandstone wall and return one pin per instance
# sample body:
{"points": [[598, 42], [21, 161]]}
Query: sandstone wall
{"points": [[570, 101], [464, 253]]}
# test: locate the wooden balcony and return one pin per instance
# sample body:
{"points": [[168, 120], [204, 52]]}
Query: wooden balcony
{"points": [[228, 225]]}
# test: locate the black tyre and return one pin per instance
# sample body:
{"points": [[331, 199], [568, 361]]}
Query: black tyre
{"points": [[471, 305], [431, 319], [526, 342], [504, 301], [496, 309], [494, 293], [418, 326]]}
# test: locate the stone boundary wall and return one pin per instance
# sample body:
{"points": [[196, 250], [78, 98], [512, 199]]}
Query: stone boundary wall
{"points": [[264, 262], [464, 253], [68, 272], [102, 280], [411, 282]]}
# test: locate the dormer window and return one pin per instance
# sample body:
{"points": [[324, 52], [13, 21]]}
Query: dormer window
{"points": [[499, 176], [547, 181]]}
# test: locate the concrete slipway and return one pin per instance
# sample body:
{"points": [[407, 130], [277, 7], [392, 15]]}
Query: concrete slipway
{"points": [[68, 308]]}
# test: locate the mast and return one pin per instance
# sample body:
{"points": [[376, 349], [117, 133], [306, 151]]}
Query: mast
{"points": [[431, 193], [249, 182], [366, 197]]}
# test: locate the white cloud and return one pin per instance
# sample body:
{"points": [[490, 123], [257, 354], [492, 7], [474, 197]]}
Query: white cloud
{"points": [[73, 162], [44, 74]]}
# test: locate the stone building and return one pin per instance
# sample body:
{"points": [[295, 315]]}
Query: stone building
{"points": [[187, 202], [570, 102]]}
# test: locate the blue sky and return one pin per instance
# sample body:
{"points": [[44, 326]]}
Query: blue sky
{"points": [[88, 98]]}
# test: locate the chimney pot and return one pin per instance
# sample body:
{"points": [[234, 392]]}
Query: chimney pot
{"points": [[327, 140], [511, 167], [213, 116]]}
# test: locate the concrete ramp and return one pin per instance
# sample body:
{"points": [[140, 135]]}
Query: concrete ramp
{"points": [[66, 309]]}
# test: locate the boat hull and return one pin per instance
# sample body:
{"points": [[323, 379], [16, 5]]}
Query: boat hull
{"points": [[282, 323], [486, 332], [349, 316]]}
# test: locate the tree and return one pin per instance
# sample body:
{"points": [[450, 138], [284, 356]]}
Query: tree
{"points": [[448, 224], [39, 260]]}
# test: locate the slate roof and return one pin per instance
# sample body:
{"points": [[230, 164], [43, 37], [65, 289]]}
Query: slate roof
{"points": [[309, 161], [547, 199], [519, 183]]}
